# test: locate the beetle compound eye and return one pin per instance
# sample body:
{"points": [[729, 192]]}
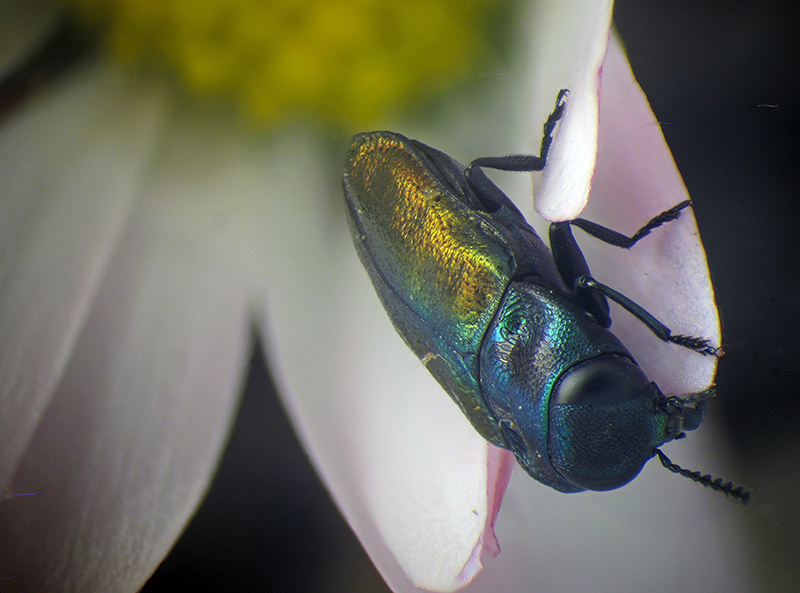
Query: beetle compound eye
{"points": [[603, 425], [600, 381]]}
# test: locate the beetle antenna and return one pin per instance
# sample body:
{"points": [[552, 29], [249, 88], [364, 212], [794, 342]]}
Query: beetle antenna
{"points": [[727, 488], [698, 397]]}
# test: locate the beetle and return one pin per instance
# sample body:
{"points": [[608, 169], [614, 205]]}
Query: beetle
{"points": [[517, 334]]}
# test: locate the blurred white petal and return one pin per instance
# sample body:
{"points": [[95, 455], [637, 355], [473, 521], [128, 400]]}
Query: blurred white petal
{"points": [[126, 444], [71, 163]]}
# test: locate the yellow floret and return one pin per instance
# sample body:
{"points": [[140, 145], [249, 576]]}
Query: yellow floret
{"points": [[342, 61]]}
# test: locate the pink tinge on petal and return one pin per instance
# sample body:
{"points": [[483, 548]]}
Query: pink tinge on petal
{"points": [[473, 566], [501, 463]]}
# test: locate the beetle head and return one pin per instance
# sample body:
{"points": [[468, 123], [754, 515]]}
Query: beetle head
{"points": [[604, 423]]}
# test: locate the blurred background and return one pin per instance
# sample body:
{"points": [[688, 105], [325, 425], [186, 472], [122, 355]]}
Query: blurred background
{"points": [[723, 77]]}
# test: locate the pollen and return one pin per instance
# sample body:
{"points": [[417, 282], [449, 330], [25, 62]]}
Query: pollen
{"points": [[345, 62]]}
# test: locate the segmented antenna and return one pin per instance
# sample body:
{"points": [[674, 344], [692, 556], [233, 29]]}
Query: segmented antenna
{"points": [[694, 398], [727, 488]]}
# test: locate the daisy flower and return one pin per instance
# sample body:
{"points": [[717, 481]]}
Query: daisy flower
{"points": [[144, 235]]}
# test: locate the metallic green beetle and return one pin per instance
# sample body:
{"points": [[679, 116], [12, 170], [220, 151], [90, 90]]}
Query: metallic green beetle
{"points": [[516, 334]]}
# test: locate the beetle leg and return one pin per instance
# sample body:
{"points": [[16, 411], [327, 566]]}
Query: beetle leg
{"points": [[618, 239], [524, 162], [569, 258], [700, 345], [574, 271], [572, 266]]}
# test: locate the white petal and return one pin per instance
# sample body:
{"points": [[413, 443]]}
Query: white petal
{"points": [[126, 448], [69, 162], [420, 469], [568, 42], [666, 272], [24, 25]]}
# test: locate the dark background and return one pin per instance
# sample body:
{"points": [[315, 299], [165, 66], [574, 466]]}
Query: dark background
{"points": [[724, 77]]}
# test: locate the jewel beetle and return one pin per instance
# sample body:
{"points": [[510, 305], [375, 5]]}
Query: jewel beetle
{"points": [[517, 334]]}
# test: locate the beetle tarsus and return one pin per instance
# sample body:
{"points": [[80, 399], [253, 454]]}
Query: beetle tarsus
{"points": [[700, 345], [550, 124], [695, 398]]}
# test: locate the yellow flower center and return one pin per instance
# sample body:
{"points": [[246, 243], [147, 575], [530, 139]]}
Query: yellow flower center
{"points": [[342, 61]]}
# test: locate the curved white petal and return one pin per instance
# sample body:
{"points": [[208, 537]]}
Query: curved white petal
{"points": [[70, 162], [128, 442], [568, 41]]}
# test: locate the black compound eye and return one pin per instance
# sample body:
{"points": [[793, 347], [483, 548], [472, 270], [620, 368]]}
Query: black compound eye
{"points": [[600, 381], [603, 423]]}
